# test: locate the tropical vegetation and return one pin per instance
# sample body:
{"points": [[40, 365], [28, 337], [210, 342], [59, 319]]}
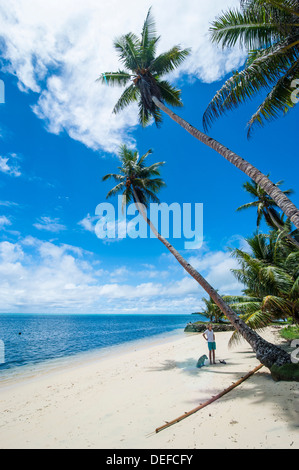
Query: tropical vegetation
{"points": [[142, 74], [269, 31], [290, 332], [270, 273], [268, 268], [211, 310]]}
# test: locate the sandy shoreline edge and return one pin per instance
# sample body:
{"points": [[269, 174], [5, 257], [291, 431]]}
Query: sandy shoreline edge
{"points": [[117, 401], [24, 373]]}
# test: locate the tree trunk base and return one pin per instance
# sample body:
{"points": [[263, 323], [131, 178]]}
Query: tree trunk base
{"points": [[269, 354], [287, 372]]}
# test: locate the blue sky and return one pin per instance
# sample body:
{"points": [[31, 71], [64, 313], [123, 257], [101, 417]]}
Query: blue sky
{"points": [[59, 137]]}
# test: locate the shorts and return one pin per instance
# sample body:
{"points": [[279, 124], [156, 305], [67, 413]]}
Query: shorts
{"points": [[211, 345]]}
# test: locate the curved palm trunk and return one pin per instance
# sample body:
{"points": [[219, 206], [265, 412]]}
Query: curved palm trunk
{"points": [[267, 353], [263, 181]]}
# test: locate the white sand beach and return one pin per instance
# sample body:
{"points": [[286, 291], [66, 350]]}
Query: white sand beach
{"points": [[117, 401]]}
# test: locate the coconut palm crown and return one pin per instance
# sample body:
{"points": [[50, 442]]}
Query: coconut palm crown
{"points": [[143, 71], [269, 31], [135, 177], [265, 205], [267, 209]]}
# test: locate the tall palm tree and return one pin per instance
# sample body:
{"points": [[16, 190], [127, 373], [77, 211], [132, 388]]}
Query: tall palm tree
{"points": [[269, 31], [266, 208], [142, 75], [139, 183]]}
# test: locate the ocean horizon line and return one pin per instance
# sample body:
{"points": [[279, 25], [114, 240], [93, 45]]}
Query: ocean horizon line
{"points": [[87, 313]]}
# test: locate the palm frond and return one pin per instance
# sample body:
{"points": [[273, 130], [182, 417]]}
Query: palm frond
{"points": [[143, 158], [128, 48], [119, 78], [130, 95], [169, 61], [144, 115], [148, 40], [170, 94], [115, 176], [294, 293], [269, 31], [116, 190], [152, 170], [278, 101], [150, 196], [247, 206], [277, 306], [292, 263], [257, 320], [252, 29], [244, 85]]}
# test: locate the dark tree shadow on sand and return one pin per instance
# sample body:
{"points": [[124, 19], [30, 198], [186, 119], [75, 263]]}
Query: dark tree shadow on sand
{"points": [[260, 387]]}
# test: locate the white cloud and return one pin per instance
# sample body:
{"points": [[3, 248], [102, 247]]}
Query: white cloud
{"points": [[49, 224], [10, 252], [216, 267], [88, 223], [44, 276], [9, 165], [58, 49], [9, 204], [4, 221], [37, 274]]}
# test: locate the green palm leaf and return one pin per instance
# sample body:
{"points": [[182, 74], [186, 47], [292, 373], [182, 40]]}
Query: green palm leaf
{"points": [[170, 94], [277, 101], [262, 73], [270, 273], [128, 47], [116, 190], [119, 78], [149, 40], [129, 96], [269, 31], [252, 29], [169, 61]]}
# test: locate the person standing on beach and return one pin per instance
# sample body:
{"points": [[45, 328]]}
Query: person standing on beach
{"points": [[209, 336]]}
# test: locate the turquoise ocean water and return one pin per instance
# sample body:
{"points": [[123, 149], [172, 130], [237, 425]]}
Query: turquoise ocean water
{"points": [[36, 340]]}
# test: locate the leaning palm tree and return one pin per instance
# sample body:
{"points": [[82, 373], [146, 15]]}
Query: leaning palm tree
{"points": [[142, 74], [269, 31], [140, 184], [266, 208]]}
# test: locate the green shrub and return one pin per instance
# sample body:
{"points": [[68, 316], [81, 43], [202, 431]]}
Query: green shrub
{"points": [[290, 332], [287, 372]]}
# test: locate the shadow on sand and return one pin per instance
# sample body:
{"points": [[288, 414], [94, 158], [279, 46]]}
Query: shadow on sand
{"points": [[260, 388]]}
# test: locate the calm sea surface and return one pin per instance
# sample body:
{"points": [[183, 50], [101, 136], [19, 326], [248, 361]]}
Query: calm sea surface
{"points": [[35, 339]]}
